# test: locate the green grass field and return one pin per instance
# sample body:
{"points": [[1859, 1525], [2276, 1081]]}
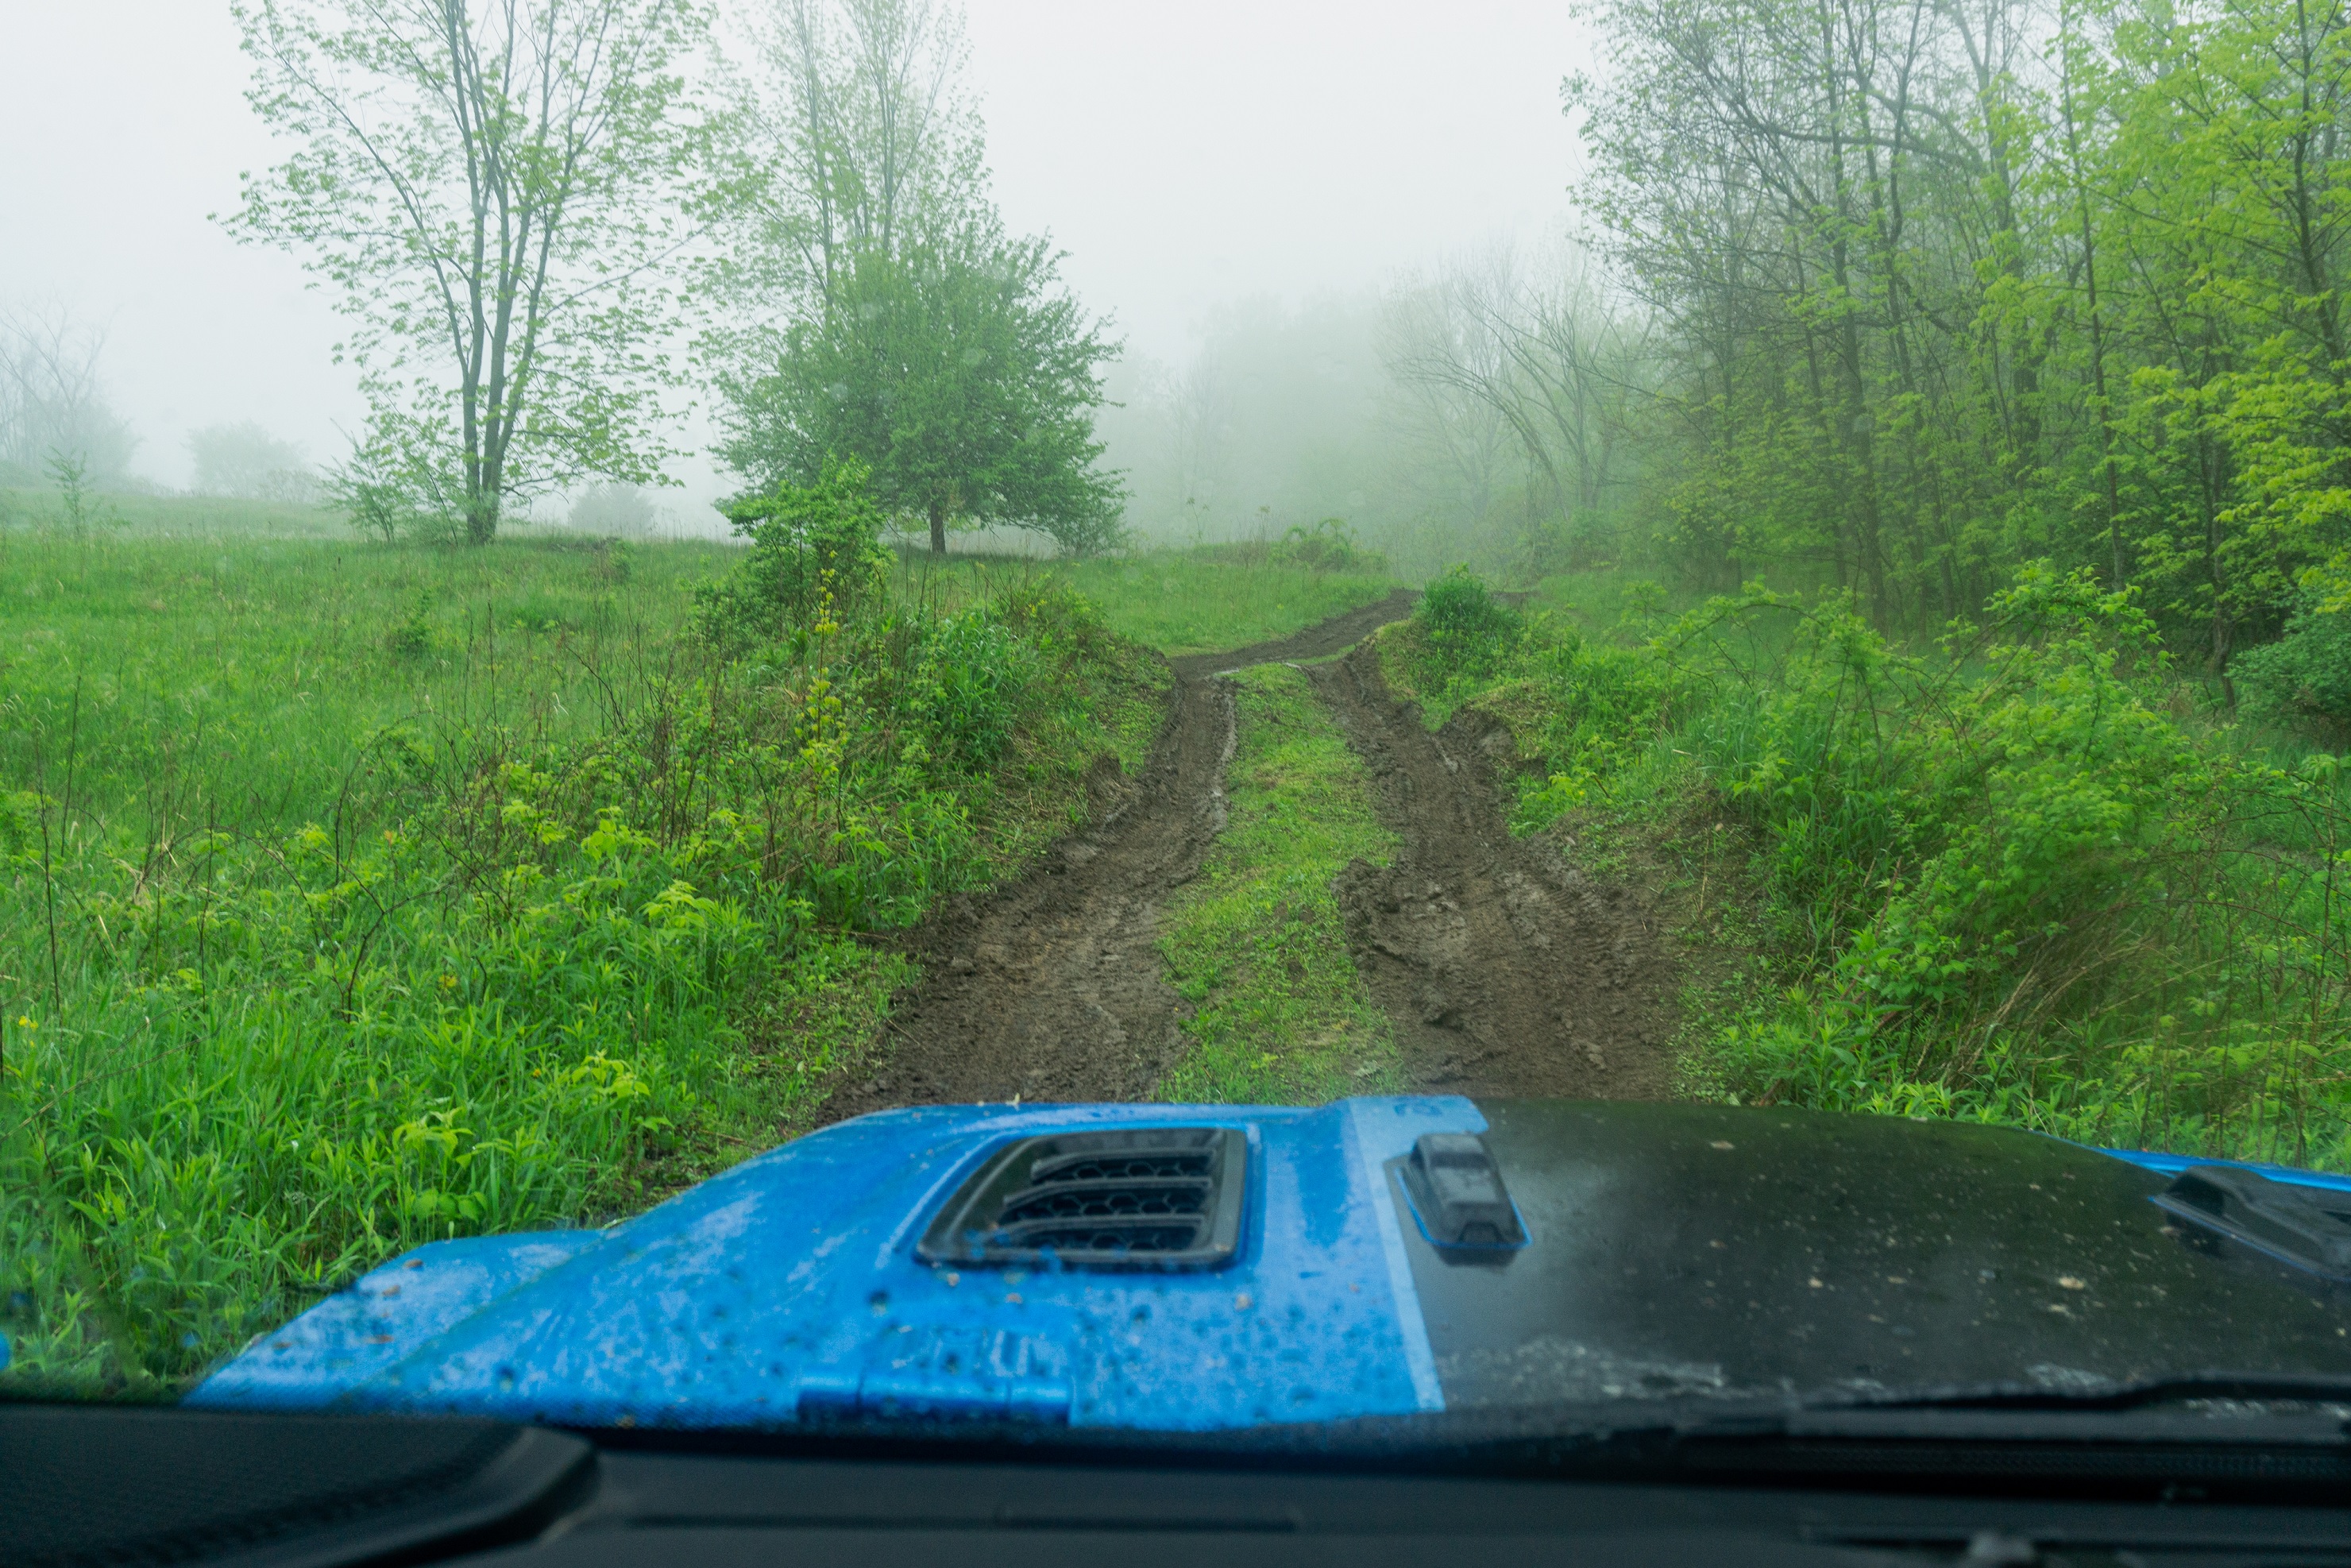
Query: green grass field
{"points": [[355, 896], [234, 680], [1177, 601]]}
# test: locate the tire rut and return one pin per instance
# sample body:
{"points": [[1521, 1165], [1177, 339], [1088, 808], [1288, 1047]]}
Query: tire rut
{"points": [[1051, 987], [1504, 970]]}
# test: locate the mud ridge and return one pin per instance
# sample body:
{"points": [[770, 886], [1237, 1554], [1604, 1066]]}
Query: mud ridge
{"points": [[1051, 987], [1505, 970]]}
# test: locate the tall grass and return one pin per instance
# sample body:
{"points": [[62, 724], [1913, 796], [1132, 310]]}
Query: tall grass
{"points": [[358, 896], [2015, 876]]}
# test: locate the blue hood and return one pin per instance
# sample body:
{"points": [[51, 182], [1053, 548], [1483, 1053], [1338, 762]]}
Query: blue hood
{"points": [[1658, 1252], [789, 1284]]}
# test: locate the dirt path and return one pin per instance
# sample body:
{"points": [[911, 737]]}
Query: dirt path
{"points": [[1318, 641], [1504, 969], [1052, 988]]}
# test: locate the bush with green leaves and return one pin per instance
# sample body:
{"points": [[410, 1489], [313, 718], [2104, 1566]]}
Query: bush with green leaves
{"points": [[517, 977], [1327, 545], [809, 543], [2001, 880], [1464, 631], [2304, 677]]}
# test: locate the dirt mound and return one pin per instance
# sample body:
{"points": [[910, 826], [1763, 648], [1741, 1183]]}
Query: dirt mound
{"points": [[1504, 969]]}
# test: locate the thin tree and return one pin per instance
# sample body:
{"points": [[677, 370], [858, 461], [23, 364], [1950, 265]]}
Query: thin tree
{"points": [[494, 190]]}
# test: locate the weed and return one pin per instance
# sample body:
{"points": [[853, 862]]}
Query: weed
{"points": [[2001, 878]]}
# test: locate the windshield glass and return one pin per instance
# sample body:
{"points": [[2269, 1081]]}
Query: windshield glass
{"points": [[772, 713]]}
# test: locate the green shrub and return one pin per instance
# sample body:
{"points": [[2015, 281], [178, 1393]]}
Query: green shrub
{"points": [[414, 635], [2304, 675], [815, 551], [1327, 545], [1465, 630], [2000, 878]]}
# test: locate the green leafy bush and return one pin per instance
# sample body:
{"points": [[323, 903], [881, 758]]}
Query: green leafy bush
{"points": [[807, 542], [2001, 879], [516, 977], [1465, 630], [2304, 675], [1326, 545]]}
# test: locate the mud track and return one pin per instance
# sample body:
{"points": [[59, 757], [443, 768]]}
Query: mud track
{"points": [[1503, 970]]}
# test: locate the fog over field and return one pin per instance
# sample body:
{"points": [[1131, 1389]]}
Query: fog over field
{"points": [[1224, 162]]}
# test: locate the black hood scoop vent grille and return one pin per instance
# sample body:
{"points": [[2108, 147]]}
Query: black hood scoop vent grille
{"points": [[1146, 1198]]}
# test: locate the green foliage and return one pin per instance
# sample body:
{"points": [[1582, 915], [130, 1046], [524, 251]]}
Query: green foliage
{"points": [[2013, 287], [1329, 545], [1465, 630], [80, 510], [2307, 673], [955, 371], [817, 542], [413, 637], [521, 929], [1258, 943], [2004, 880]]}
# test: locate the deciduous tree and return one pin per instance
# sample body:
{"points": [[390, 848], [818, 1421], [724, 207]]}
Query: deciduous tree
{"points": [[883, 315], [494, 190]]}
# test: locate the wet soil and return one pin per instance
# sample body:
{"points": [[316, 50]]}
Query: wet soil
{"points": [[1319, 641], [1504, 970]]}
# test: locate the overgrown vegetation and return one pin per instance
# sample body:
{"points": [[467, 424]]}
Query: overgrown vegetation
{"points": [[359, 898], [1257, 945], [1180, 601], [2010, 877], [1929, 294]]}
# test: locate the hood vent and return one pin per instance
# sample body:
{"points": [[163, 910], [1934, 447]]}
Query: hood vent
{"points": [[1149, 1197]]}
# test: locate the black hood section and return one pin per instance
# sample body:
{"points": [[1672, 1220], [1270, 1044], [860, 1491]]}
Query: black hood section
{"points": [[1678, 1250]]}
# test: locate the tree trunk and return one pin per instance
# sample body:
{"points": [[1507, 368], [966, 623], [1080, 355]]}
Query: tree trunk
{"points": [[938, 528], [482, 516]]}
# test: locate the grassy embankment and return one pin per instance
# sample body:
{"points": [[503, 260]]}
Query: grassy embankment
{"points": [[2019, 874], [356, 896]]}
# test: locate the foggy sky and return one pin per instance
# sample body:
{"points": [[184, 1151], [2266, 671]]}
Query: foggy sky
{"points": [[1183, 155]]}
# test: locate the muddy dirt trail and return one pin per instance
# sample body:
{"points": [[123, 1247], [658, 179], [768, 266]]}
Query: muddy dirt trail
{"points": [[1319, 641], [1503, 971], [1052, 988]]}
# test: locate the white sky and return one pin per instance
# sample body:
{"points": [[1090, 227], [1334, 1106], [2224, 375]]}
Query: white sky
{"points": [[1184, 154]]}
